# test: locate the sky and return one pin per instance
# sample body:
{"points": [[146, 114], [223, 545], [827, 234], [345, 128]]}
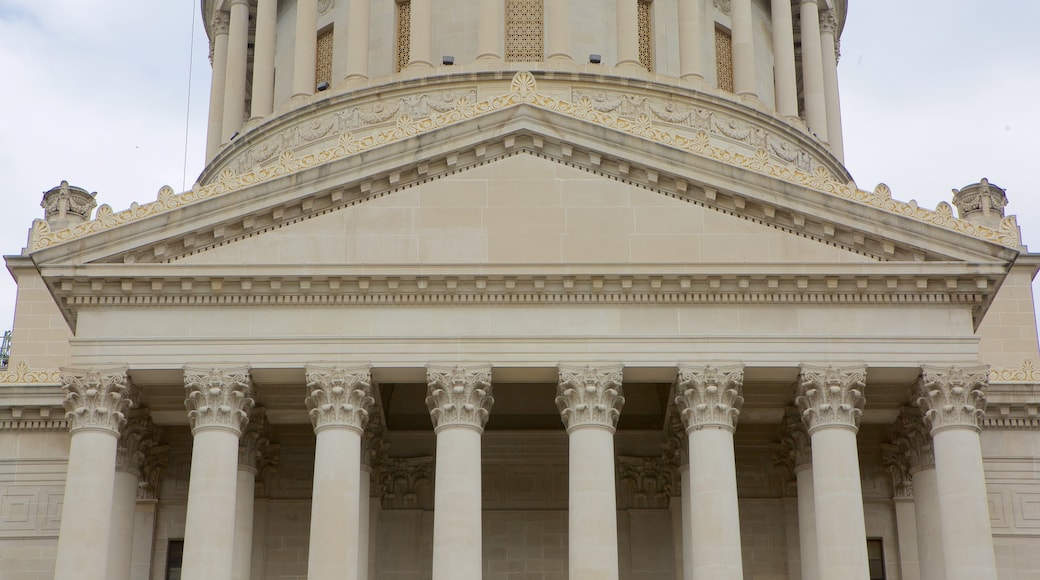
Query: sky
{"points": [[935, 95]]}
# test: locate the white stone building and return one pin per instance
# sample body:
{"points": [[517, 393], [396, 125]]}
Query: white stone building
{"points": [[522, 290]]}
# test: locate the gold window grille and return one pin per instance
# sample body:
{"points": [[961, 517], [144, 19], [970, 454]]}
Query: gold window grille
{"points": [[524, 26], [323, 65], [646, 35], [404, 33], [723, 60]]}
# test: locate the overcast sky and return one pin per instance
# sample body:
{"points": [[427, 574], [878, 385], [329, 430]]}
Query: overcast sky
{"points": [[935, 95]]}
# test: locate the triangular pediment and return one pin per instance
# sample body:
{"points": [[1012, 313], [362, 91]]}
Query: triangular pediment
{"points": [[524, 209]]}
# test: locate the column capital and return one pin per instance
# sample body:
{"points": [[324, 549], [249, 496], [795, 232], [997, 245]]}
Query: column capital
{"points": [[152, 470], [953, 397], [590, 396], [96, 399], [676, 443], [793, 452], [895, 461], [339, 397], [218, 398], [136, 440], [910, 434], [220, 22], [831, 396], [404, 483], [828, 22], [255, 442], [648, 481], [373, 447], [709, 396], [459, 396]]}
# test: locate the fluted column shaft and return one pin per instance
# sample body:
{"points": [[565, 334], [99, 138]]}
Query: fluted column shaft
{"points": [[339, 401], [491, 30], [929, 528], [710, 401], [785, 77], [305, 52], [95, 402], [691, 39], [954, 399], [219, 23], [831, 400], [829, 53], [421, 38], [218, 404], [743, 48], [459, 400], [628, 33], [590, 401], [262, 101], [812, 70], [237, 62], [358, 25], [558, 29]]}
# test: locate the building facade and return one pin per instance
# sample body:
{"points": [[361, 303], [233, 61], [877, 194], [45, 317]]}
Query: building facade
{"points": [[522, 290]]}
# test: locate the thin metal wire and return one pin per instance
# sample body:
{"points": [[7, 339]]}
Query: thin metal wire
{"points": [[187, 106]]}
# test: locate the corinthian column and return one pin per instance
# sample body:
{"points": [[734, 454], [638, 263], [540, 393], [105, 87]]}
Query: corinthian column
{"points": [[139, 436], [831, 401], [783, 59], [743, 48], [691, 39], [237, 64], [305, 52], [590, 401], [262, 101], [709, 398], [218, 26], [812, 69], [459, 400], [628, 33], [829, 53], [95, 402], [910, 436], [420, 47], [794, 455], [218, 405], [953, 400], [358, 25], [373, 450], [339, 401], [252, 448]]}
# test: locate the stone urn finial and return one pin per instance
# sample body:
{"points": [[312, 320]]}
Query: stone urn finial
{"points": [[67, 205], [981, 203]]}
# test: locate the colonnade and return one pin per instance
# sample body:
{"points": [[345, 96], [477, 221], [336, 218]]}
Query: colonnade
{"points": [[229, 31], [229, 437]]}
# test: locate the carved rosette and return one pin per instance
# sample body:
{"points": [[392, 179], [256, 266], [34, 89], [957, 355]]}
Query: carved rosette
{"points": [[255, 441], [831, 396], [647, 481], [96, 399], [709, 396], [218, 398], [136, 440], [152, 469], [339, 397], [459, 396], [953, 396], [895, 461], [405, 482], [590, 396], [793, 452]]}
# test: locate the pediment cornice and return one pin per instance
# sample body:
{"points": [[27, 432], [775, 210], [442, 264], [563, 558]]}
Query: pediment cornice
{"points": [[813, 205]]}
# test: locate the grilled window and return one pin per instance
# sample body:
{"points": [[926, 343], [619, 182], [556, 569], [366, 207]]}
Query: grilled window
{"points": [[723, 59], [524, 26]]}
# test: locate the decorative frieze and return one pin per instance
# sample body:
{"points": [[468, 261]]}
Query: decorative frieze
{"points": [[255, 442], [793, 451], [1027, 372], [136, 440], [590, 396], [831, 396], [459, 396], [406, 483], [953, 396], [218, 398], [96, 399], [23, 374], [647, 482], [710, 396], [339, 397]]}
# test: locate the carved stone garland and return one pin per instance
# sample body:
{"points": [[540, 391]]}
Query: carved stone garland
{"points": [[710, 396], [339, 396], [459, 396], [953, 396], [218, 398], [590, 396], [831, 396], [96, 399]]}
